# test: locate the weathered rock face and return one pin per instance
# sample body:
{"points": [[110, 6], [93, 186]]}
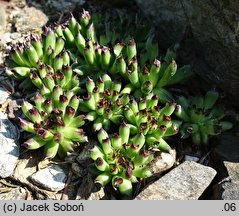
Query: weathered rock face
{"points": [[208, 29]]}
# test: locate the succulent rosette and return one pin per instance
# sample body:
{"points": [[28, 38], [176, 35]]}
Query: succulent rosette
{"points": [[54, 122], [45, 48], [151, 77], [103, 102], [201, 117], [154, 121], [44, 62], [120, 159]]}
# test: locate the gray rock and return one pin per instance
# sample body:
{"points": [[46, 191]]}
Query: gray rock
{"points": [[4, 94], [206, 29], [9, 149], [51, 178], [169, 16], [5, 38], [227, 149], [226, 157], [18, 193], [30, 19], [191, 158], [88, 190], [233, 170], [186, 182], [230, 191], [11, 38], [8, 156], [231, 187], [84, 155]]}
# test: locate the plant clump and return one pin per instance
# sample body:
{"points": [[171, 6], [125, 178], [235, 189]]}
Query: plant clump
{"points": [[83, 79], [55, 122], [201, 117], [121, 159], [152, 120], [103, 102]]}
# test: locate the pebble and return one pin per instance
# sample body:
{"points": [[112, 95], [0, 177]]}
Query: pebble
{"points": [[191, 158], [162, 162], [50, 178]]}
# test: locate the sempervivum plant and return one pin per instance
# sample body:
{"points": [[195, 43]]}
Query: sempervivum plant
{"points": [[155, 122], [54, 122], [201, 118], [151, 77], [117, 26], [121, 59], [103, 102], [121, 159], [40, 49], [45, 79], [75, 43], [44, 63]]}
